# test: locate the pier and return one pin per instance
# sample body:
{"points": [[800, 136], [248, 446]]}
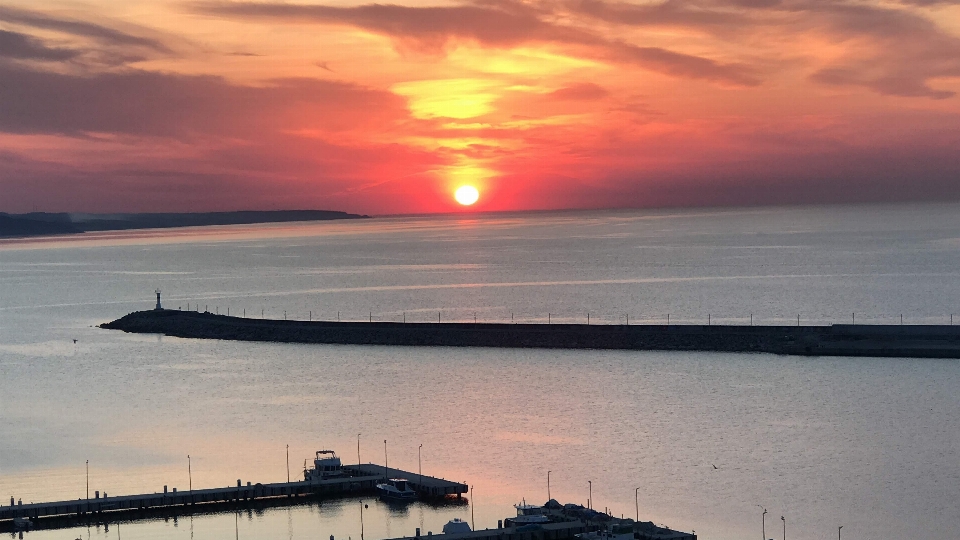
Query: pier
{"points": [[360, 479], [917, 341]]}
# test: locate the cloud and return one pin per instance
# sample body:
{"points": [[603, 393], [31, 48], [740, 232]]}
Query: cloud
{"points": [[501, 24], [899, 51], [581, 91], [137, 102], [23, 47], [98, 32]]}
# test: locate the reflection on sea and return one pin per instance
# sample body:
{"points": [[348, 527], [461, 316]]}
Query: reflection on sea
{"points": [[867, 443]]}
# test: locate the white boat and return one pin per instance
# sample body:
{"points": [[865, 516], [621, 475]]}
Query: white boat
{"points": [[325, 465], [527, 514], [396, 489], [456, 525]]}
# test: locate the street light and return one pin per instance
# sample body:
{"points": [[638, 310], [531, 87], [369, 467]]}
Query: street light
{"points": [[636, 498], [358, 454], [288, 463], [784, 520], [88, 479], [763, 521], [190, 473], [420, 466], [386, 468], [838, 532]]}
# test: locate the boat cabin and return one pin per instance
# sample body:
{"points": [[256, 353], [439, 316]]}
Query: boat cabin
{"points": [[326, 464]]}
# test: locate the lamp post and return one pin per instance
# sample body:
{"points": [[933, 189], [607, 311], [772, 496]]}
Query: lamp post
{"points": [[838, 532], [763, 521], [548, 486], [590, 496], [386, 467], [636, 499], [88, 479], [420, 465], [288, 463], [473, 524], [189, 473], [358, 453], [784, 520]]}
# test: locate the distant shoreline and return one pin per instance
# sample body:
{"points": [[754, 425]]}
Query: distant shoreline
{"points": [[920, 341], [45, 224]]}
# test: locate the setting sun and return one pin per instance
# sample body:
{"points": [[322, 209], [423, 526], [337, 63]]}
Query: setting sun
{"points": [[466, 195]]}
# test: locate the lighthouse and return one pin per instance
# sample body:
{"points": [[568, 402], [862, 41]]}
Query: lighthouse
{"points": [[158, 300]]}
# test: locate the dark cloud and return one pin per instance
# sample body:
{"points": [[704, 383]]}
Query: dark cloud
{"points": [[686, 65], [103, 34], [23, 47], [160, 104], [502, 23]]}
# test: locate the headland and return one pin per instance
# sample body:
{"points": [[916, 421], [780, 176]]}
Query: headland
{"points": [[917, 341], [44, 223]]}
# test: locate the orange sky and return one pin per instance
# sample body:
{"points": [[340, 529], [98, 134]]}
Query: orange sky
{"points": [[168, 105]]}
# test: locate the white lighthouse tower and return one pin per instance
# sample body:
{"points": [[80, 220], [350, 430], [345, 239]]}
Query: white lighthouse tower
{"points": [[158, 300]]}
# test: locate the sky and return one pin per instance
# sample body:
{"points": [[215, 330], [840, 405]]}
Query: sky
{"points": [[210, 105]]}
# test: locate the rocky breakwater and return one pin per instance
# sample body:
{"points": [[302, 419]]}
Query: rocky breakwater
{"points": [[836, 340]]}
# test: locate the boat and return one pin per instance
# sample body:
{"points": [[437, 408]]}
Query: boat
{"points": [[326, 465], [527, 514], [396, 489], [456, 525]]}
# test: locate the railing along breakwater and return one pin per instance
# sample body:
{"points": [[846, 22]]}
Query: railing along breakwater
{"points": [[925, 341]]}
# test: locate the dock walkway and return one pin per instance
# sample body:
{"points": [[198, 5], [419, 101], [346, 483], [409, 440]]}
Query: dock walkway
{"points": [[363, 478]]}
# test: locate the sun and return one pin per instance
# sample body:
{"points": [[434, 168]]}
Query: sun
{"points": [[466, 195]]}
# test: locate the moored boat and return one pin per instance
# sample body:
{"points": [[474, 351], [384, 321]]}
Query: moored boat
{"points": [[326, 465], [527, 514], [396, 489], [456, 525]]}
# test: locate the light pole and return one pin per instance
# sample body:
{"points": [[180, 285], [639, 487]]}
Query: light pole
{"points": [[386, 467], [763, 522], [420, 465], [590, 496], [838, 532], [548, 486], [636, 499], [88, 479], [189, 473], [288, 463], [358, 453], [784, 520]]}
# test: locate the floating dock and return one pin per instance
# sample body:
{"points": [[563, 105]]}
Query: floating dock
{"points": [[918, 341], [363, 478]]}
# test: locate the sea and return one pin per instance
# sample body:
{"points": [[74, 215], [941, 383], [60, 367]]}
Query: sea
{"points": [[697, 441]]}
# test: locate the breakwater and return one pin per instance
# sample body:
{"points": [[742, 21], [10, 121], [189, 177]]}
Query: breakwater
{"points": [[921, 341]]}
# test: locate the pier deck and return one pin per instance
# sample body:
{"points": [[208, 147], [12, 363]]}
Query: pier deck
{"points": [[424, 485], [363, 478]]}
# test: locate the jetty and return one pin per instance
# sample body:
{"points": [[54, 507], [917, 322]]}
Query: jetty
{"points": [[917, 341], [358, 479]]}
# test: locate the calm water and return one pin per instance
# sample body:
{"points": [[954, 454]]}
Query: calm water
{"points": [[873, 444]]}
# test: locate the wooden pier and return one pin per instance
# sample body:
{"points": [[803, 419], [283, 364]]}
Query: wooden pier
{"points": [[362, 478]]}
